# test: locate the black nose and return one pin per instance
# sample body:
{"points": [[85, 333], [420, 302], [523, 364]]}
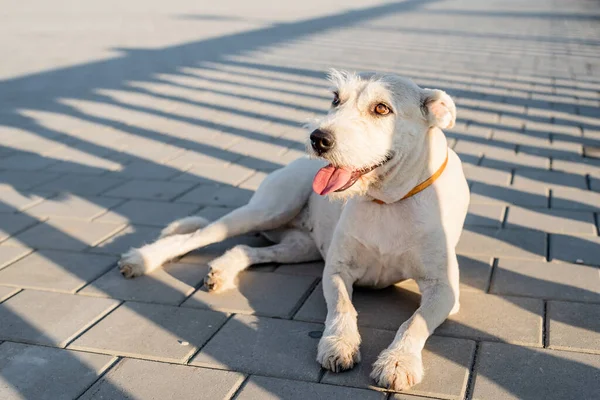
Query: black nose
{"points": [[321, 141]]}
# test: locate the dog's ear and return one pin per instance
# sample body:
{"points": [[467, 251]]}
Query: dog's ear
{"points": [[438, 108]]}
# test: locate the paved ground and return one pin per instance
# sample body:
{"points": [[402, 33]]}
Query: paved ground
{"points": [[117, 119]]}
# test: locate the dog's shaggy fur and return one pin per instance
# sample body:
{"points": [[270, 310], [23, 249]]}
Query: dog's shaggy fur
{"points": [[394, 147]]}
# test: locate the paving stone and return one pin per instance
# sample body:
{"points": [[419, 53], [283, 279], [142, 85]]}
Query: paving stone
{"points": [[192, 158], [71, 206], [494, 242], [548, 179], [515, 319], [147, 213], [506, 371], [490, 176], [395, 302], [148, 170], [22, 180], [575, 199], [142, 379], [446, 360], [580, 166], [226, 196], [6, 292], [254, 181], [80, 185], [10, 254], [551, 220], [265, 388], [216, 175], [212, 213], [131, 236], [485, 215], [151, 331], [482, 193], [170, 284], [25, 372], [575, 249], [574, 326], [14, 223], [65, 234], [13, 200], [55, 270], [309, 269], [264, 346], [150, 190], [546, 280], [510, 160], [26, 162], [285, 293], [49, 318]]}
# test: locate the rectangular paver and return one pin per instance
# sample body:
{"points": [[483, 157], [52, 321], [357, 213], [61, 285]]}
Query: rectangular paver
{"points": [[551, 220], [579, 249], [152, 331], [574, 326], [49, 318], [145, 212], [525, 243]]}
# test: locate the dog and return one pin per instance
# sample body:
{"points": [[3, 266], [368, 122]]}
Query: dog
{"points": [[382, 199]]}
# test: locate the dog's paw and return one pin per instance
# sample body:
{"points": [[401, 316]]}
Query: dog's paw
{"points": [[397, 370], [218, 280], [133, 264], [337, 353]]}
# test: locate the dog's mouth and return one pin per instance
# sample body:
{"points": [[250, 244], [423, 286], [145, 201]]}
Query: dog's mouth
{"points": [[337, 179]]}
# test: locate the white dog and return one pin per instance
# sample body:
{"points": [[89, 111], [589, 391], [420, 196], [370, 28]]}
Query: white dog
{"points": [[401, 203]]}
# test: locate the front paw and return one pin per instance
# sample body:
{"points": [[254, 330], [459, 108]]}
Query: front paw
{"points": [[217, 280], [337, 353], [133, 264], [397, 370]]}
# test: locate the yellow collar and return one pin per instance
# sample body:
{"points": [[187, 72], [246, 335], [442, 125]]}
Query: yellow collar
{"points": [[423, 185]]}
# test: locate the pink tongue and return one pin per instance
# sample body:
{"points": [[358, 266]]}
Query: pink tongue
{"points": [[330, 179]]}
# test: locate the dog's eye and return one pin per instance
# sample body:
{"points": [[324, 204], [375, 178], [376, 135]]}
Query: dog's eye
{"points": [[336, 99], [382, 109]]}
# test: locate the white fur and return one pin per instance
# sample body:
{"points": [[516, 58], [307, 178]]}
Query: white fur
{"points": [[363, 243]]}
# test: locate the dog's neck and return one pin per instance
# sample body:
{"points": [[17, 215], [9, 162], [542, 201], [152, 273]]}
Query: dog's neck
{"points": [[402, 177]]}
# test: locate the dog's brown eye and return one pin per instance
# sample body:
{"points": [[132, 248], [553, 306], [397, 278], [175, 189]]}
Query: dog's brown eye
{"points": [[382, 109], [336, 99]]}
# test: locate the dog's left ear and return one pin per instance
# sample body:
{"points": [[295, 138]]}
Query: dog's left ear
{"points": [[438, 108]]}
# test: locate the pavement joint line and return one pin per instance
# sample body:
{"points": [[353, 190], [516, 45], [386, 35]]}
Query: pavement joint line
{"points": [[236, 390], [494, 263], [107, 368], [472, 373], [303, 298], [545, 326], [30, 251], [191, 356], [12, 295], [90, 324]]}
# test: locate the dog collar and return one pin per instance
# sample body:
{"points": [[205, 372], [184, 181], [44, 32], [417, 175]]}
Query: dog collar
{"points": [[423, 185]]}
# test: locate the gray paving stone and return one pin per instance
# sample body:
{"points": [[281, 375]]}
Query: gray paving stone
{"points": [[12, 200], [264, 346], [24, 372], [309, 269], [149, 190], [143, 212], [575, 249], [22, 180], [14, 223], [575, 199], [72, 206], [216, 175], [55, 270], [474, 272], [285, 293], [6, 292], [581, 166], [142, 379], [494, 242], [191, 158], [80, 185], [485, 215], [551, 220], [490, 176], [65, 234], [170, 284], [131, 236], [151, 331], [506, 371], [26, 162], [482, 193], [213, 213], [49, 318], [548, 179], [446, 360], [509, 160], [208, 195], [396, 303], [515, 319], [148, 170], [10, 254], [265, 388], [574, 326], [546, 280], [254, 181]]}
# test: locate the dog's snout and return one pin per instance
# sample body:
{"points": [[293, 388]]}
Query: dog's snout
{"points": [[321, 141]]}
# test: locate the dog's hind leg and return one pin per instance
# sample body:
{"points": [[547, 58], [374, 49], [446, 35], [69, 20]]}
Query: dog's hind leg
{"points": [[276, 202], [295, 247]]}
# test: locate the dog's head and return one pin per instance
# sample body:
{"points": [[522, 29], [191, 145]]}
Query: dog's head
{"points": [[375, 121]]}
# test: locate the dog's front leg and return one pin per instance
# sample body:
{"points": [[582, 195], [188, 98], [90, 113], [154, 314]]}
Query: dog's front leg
{"points": [[400, 366], [338, 348]]}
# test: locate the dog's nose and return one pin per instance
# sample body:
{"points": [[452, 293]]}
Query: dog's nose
{"points": [[321, 141]]}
